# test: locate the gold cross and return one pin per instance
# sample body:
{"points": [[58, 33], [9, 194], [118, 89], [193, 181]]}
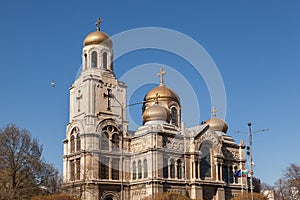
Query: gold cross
{"points": [[98, 23], [214, 112], [161, 74]]}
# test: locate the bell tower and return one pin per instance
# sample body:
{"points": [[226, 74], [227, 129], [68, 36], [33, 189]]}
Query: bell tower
{"points": [[96, 99]]}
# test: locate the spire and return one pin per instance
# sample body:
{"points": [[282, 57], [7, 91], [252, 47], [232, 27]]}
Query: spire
{"points": [[161, 76], [98, 24], [214, 112]]}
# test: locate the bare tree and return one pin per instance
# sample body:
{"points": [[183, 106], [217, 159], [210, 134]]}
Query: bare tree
{"points": [[22, 170], [292, 177]]}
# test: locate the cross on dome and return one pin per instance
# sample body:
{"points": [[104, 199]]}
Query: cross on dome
{"points": [[98, 23], [161, 76], [214, 112]]}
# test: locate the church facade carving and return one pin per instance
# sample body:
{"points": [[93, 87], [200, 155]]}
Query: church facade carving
{"points": [[103, 160]]}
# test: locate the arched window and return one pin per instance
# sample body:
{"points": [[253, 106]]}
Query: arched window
{"points": [[134, 170], [72, 144], [205, 163], [172, 168], [85, 61], [104, 141], [145, 168], [179, 169], [104, 59], [139, 169], [165, 167], [78, 142], [94, 59], [174, 116], [115, 142]]}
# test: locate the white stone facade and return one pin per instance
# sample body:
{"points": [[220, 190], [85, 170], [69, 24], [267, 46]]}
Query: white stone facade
{"points": [[159, 157]]}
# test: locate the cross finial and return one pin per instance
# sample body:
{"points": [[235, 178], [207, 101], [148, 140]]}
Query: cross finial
{"points": [[98, 23], [156, 98], [161, 76], [214, 112]]}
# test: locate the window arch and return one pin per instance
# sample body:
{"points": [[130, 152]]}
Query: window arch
{"points": [[104, 60], [139, 169], [134, 170], [179, 169], [72, 143], [94, 60], [174, 116], [205, 163], [145, 169], [172, 168]]}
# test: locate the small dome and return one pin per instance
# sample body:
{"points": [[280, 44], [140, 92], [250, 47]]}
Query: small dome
{"points": [[217, 124], [164, 93], [97, 37], [156, 113]]}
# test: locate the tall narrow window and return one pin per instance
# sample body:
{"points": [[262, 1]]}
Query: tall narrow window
{"points": [[174, 116], [78, 169], [134, 170], [236, 179], [115, 169], [165, 167], [172, 168], [196, 169], [72, 144], [230, 174], [139, 169], [179, 169], [115, 142], [104, 141], [78, 142], [85, 62], [94, 59], [205, 163], [104, 59], [225, 174], [72, 170], [145, 169], [104, 168]]}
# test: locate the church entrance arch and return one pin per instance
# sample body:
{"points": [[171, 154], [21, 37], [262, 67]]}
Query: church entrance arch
{"points": [[109, 196]]}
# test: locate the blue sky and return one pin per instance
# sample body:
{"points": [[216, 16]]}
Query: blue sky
{"points": [[255, 45]]}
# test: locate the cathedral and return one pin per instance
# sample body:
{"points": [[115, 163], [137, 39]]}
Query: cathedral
{"points": [[103, 160]]}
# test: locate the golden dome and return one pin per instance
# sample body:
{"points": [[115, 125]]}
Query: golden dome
{"points": [[96, 38], [156, 113], [164, 94], [217, 124]]}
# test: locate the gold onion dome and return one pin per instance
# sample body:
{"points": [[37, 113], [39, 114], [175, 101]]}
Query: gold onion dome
{"points": [[164, 93], [97, 37], [156, 113], [217, 124]]}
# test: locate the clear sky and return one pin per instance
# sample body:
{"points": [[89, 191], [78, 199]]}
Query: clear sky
{"points": [[255, 45]]}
